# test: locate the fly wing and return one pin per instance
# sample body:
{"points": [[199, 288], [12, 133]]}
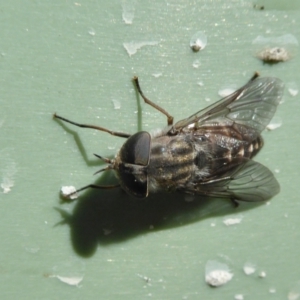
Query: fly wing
{"points": [[250, 181], [253, 105]]}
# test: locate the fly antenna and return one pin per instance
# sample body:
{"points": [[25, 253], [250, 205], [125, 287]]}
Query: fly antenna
{"points": [[107, 160], [104, 169]]}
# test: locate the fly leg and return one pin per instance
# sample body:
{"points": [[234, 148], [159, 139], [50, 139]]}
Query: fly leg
{"points": [[169, 117], [255, 75], [73, 195], [116, 133]]}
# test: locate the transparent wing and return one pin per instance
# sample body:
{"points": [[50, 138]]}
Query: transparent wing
{"points": [[250, 181], [252, 105]]}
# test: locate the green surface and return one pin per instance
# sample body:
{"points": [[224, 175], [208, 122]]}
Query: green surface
{"points": [[68, 57]]}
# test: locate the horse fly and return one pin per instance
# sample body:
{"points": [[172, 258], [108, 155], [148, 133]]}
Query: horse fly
{"points": [[209, 153]]}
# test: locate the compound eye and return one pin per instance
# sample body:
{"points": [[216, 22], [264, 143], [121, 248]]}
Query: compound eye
{"points": [[136, 150]]}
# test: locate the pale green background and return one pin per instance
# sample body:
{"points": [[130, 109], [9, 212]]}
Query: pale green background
{"points": [[68, 57]]}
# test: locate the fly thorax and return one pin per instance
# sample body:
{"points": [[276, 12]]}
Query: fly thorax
{"points": [[171, 162]]}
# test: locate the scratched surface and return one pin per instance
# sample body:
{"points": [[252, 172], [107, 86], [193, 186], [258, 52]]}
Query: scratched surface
{"points": [[77, 59]]}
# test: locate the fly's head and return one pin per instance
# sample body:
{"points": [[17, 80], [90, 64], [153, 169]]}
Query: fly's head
{"points": [[131, 164]]}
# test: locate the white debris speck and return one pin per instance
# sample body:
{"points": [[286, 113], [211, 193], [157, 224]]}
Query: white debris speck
{"points": [[128, 11], [232, 221], [70, 280], [275, 123], [275, 49], [156, 75], [8, 169], [294, 293], [69, 271], [249, 268], [293, 92], [147, 279], [275, 54], [207, 99], [196, 63], [292, 88], [277, 171], [262, 274], [200, 83], [272, 290], [92, 32], [198, 41], [212, 224], [293, 296], [216, 273], [224, 92], [239, 297], [133, 47], [117, 103], [69, 192]]}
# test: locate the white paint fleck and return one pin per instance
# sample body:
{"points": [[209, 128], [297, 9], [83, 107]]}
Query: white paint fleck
{"points": [[294, 293], [69, 280], [275, 123], [69, 192], [233, 221], [293, 296], [293, 92], [196, 63], [239, 297], [292, 88], [216, 273], [226, 91], [92, 32], [249, 268], [69, 271], [8, 169], [262, 274], [133, 47], [156, 75], [145, 278], [272, 290], [200, 83], [128, 7], [117, 103], [198, 41]]}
